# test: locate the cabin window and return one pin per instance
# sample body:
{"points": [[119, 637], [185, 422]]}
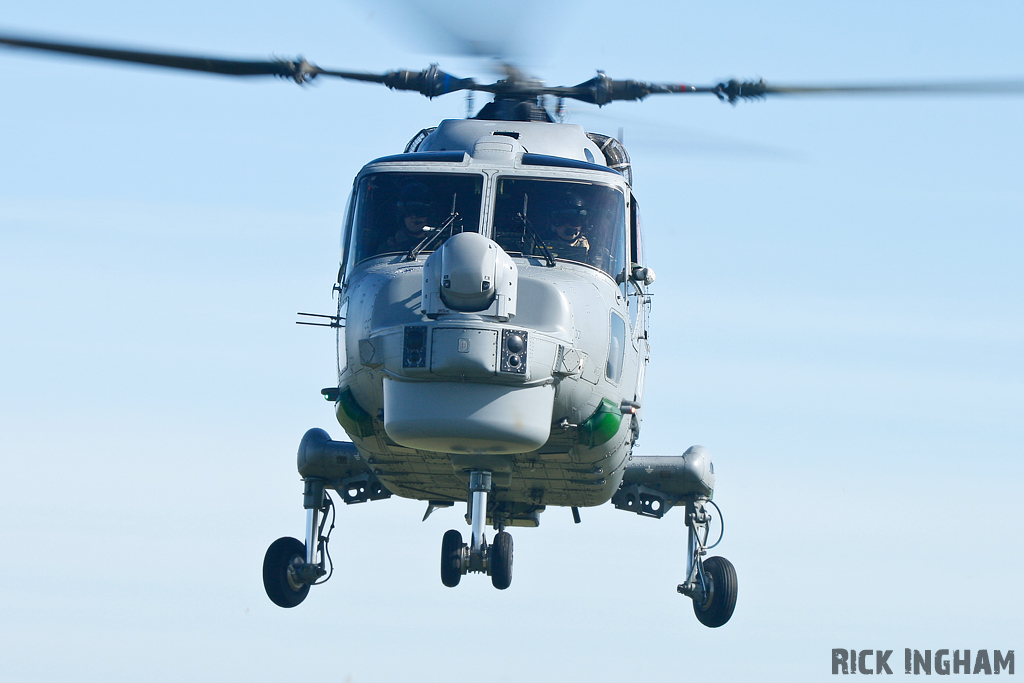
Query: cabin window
{"points": [[616, 347], [394, 212], [340, 329], [571, 220]]}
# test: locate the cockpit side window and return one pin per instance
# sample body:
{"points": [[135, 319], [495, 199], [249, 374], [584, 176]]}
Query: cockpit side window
{"points": [[636, 298], [572, 220], [636, 234], [395, 211]]}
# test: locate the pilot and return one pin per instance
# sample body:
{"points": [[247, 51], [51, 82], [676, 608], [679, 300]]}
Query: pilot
{"points": [[603, 238], [567, 223], [415, 211]]}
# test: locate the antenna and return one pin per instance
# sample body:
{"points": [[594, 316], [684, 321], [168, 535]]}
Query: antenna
{"points": [[335, 320]]}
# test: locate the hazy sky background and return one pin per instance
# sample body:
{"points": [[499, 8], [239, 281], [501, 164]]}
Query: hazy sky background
{"points": [[837, 317]]}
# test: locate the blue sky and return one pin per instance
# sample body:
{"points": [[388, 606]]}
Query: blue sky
{"points": [[837, 317]]}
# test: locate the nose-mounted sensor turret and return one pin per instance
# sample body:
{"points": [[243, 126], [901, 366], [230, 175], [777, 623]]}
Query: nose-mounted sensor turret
{"points": [[470, 274]]}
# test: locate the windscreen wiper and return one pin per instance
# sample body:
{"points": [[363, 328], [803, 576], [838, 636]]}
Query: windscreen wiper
{"points": [[435, 233], [533, 233]]}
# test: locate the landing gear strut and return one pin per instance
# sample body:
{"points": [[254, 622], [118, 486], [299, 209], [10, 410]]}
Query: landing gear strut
{"points": [[495, 560], [290, 566], [710, 583]]}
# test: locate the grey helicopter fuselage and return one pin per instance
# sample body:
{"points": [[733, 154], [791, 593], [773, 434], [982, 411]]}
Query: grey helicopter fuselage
{"points": [[492, 322], [499, 346]]}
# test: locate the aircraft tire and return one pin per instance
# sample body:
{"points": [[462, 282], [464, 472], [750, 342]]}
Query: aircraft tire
{"points": [[451, 558], [280, 555], [501, 561], [719, 606]]}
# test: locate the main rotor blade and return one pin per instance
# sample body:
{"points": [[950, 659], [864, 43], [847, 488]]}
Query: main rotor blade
{"points": [[430, 82], [601, 90], [733, 90], [299, 71], [433, 82]]}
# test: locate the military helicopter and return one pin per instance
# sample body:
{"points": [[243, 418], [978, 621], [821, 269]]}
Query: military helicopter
{"points": [[493, 302]]}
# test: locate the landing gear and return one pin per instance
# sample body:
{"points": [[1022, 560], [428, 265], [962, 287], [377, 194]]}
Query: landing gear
{"points": [[720, 592], [284, 558], [457, 558], [452, 549], [290, 566], [710, 583], [500, 560]]}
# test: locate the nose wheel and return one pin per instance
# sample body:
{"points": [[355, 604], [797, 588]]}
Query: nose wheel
{"points": [[500, 560], [458, 558], [452, 552]]}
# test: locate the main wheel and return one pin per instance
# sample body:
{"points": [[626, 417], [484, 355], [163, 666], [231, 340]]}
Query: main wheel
{"points": [[282, 587], [718, 605], [451, 558], [501, 560]]}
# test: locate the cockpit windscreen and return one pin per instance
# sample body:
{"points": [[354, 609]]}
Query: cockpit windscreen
{"points": [[577, 221], [394, 212]]}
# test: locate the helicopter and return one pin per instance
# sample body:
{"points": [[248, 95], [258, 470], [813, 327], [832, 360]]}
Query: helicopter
{"points": [[493, 361]]}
